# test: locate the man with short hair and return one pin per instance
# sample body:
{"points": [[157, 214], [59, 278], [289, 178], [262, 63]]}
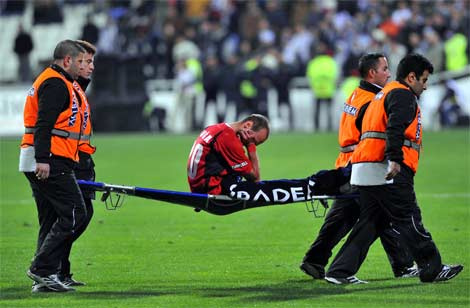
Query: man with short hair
{"points": [[383, 168], [86, 167], [53, 121], [225, 153], [342, 216]]}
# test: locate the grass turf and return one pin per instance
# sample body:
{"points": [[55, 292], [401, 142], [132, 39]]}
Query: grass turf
{"points": [[153, 254]]}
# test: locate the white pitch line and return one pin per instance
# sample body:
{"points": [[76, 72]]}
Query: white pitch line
{"points": [[21, 201], [443, 195]]}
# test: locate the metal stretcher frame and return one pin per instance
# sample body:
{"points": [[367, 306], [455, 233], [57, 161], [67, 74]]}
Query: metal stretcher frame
{"points": [[214, 204]]}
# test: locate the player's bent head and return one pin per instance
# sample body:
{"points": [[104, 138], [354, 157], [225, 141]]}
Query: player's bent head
{"points": [[260, 125], [415, 63], [259, 122], [67, 48]]}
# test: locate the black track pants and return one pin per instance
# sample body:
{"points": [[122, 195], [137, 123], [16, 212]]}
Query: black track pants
{"points": [[380, 205], [65, 262], [61, 213]]}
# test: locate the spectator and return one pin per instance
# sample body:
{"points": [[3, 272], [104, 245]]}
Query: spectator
{"points": [[185, 48], [395, 51], [297, 48], [266, 36], [230, 80], [189, 76], [280, 75], [23, 47], [276, 16], [211, 36], [249, 86], [434, 48], [90, 31], [402, 14], [108, 38], [195, 10], [167, 45], [456, 47], [322, 73], [249, 22], [211, 81]]}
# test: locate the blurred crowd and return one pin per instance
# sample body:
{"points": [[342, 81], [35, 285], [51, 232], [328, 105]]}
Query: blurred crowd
{"points": [[165, 31], [242, 48]]}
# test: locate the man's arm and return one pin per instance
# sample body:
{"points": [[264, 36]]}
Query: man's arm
{"points": [[231, 147], [254, 174], [400, 107], [247, 138], [53, 99], [360, 116]]}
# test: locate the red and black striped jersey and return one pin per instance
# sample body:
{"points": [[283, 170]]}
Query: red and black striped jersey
{"points": [[216, 153]]}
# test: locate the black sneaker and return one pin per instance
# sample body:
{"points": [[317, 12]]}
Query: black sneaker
{"points": [[39, 288], [51, 282], [408, 272], [448, 272], [69, 281], [347, 280], [315, 270]]}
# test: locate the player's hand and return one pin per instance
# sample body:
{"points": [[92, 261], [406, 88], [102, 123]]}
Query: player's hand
{"points": [[247, 136], [42, 171], [393, 170]]}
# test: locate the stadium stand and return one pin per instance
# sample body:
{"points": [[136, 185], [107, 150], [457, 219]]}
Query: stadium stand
{"points": [[137, 38]]}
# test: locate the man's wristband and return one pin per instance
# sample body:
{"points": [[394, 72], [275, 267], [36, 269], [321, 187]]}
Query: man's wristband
{"points": [[251, 147]]}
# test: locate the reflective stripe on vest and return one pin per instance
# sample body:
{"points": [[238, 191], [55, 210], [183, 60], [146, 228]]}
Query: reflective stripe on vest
{"points": [[379, 135], [60, 133], [85, 137], [348, 148]]}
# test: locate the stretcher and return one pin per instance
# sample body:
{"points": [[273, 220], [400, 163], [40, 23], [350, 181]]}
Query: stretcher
{"points": [[113, 197]]}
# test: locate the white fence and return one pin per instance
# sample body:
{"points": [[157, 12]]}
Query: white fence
{"points": [[162, 94]]}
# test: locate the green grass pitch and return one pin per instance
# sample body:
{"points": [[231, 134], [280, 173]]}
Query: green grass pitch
{"points": [[154, 254]]}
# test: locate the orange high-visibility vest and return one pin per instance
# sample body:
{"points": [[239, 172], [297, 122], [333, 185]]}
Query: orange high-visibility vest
{"points": [[371, 148], [67, 129], [87, 130], [348, 135]]}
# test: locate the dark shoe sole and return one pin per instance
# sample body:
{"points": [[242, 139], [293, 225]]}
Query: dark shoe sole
{"points": [[311, 270]]}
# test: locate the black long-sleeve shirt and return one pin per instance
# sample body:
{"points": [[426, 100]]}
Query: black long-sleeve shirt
{"points": [[401, 107], [53, 98], [83, 82]]}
